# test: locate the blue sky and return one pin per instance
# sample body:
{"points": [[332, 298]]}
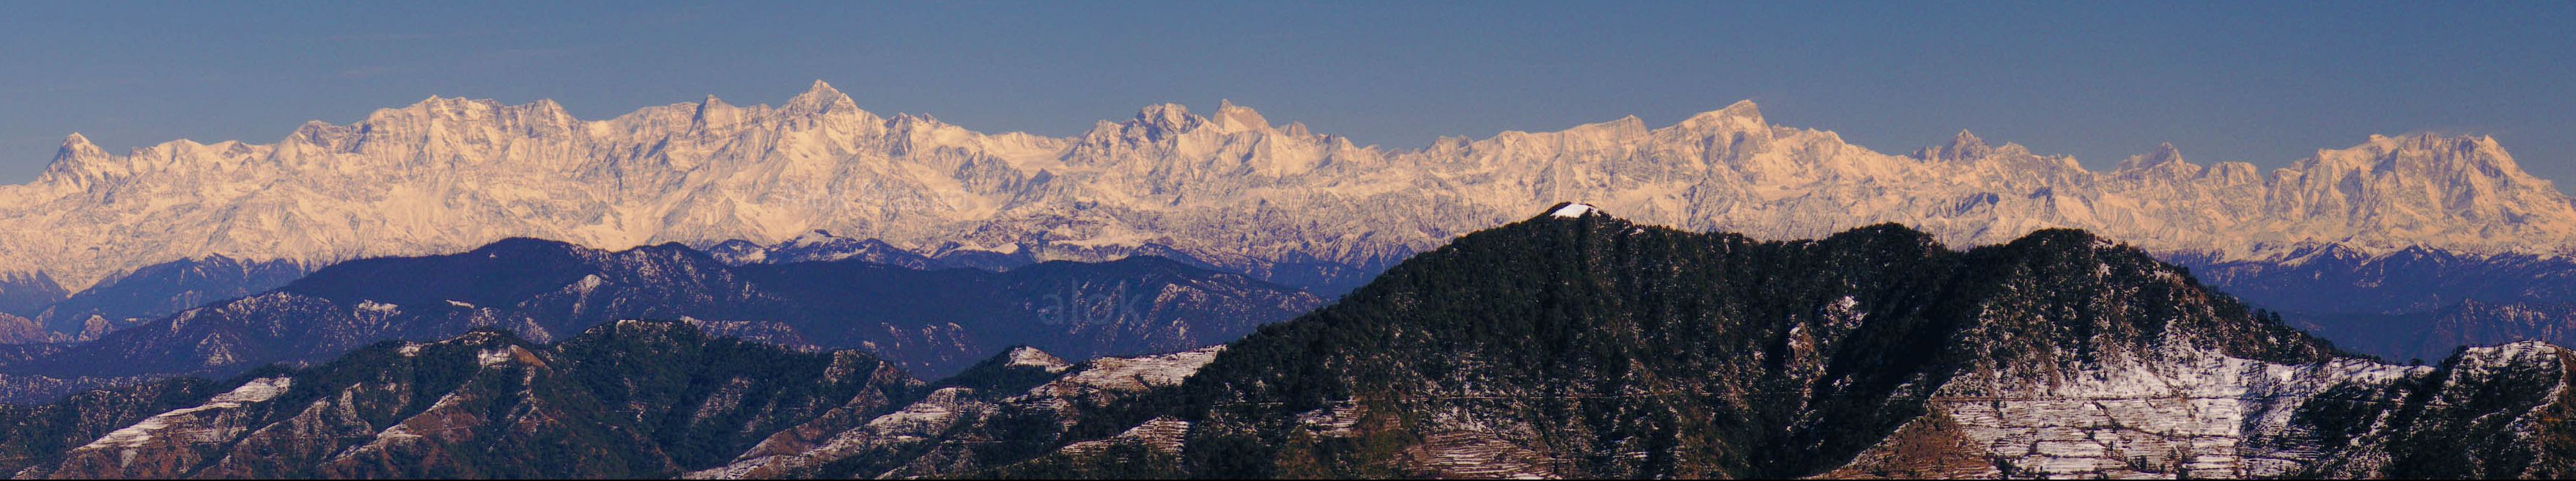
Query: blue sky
{"points": [[2265, 82]]}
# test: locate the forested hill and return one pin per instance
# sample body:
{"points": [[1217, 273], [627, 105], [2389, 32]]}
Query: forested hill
{"points": [[1578, 344]]}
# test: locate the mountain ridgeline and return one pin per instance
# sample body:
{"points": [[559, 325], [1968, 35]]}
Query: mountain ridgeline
{"points": [[933, 322], [2414, 303], [134, 297], [1230, 190], [159, 290], [1573, 344], [1273, 201]]}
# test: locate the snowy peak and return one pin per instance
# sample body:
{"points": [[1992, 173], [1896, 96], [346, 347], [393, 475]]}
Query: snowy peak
{"points": [[77, 148], [2458, 153], [1233, 118], [77, 141], [1967, 143], [821, 98], [451, 108], [1742, 110], [449, 119], [1622, 128], [2164, 153], [79, 162], [2417, 151], [714, 113], [1743, 115], [1571, 210], [1161, 120], [449, 174], [1963, 147], [2463, 165], [2164, 156], [908, 122]]}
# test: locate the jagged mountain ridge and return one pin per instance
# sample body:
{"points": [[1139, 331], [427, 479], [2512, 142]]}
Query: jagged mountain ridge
{"points": [[821, 245], [929, 321], [2411, 303], [159, 290], [2333, 279], [824, 246], [1277, 202]]}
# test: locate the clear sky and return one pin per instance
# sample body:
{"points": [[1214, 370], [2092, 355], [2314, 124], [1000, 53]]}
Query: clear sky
{"points": [[2265, 82]]}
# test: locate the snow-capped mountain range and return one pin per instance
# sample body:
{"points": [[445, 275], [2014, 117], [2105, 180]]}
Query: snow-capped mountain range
{"points": [[1231, 189]]}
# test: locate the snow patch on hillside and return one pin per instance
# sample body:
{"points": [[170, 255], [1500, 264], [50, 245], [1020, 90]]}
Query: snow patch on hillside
{"points": [[201, 423]]}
